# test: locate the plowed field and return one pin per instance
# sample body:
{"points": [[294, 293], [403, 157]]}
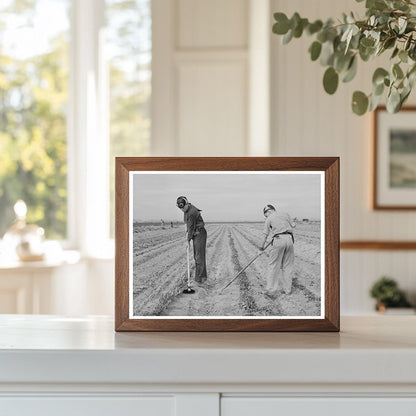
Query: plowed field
{"points": [[160, 273]]}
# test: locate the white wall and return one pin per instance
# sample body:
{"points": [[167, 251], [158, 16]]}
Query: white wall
{"points": [[200, 77], [211, 92], [215, 72], [308, 122]]}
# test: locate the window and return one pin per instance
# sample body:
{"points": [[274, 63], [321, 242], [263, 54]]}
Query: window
{"points": [[75, 87], [129, 43], [33, 103]]}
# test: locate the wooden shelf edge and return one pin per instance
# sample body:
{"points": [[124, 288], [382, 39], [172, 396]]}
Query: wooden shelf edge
{"points": [[378, 245]]}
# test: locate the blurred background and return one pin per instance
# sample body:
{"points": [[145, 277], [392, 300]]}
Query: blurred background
{"points": [[83, 81]]}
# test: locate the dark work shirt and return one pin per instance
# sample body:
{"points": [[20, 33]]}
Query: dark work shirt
{"points": [[193, 220]]}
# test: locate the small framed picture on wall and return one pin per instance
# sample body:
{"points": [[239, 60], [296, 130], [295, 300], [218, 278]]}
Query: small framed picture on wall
{"points": [[394, 178]]}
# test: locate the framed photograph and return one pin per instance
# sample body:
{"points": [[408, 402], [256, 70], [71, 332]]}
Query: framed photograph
{"points": [[227, 244], [394, 176]]}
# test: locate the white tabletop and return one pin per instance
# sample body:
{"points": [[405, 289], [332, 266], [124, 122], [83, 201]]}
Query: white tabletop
{"points": [[51, 332], [57, 349]]}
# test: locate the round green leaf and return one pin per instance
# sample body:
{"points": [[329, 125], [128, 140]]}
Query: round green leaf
{"points": [[403, 55], [408, 42], [395, 52], [294, 20], [403, 96], [367, 42], [281, 27], [411, 76], [327, 53], [412, 70], [379, 75], [288, 37], [351, 71], [412, 52], [389, 43], [376, 4], [342, 61], [322, 36], [374, 102], [400, 5], [330, 80], [298, 30], [378, 90], [314, 27], [397, 71], [366, 53], [393, 101], [359, 103], [315, 50]]}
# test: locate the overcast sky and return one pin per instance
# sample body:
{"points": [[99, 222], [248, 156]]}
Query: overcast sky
{"points": [[225, 197]]}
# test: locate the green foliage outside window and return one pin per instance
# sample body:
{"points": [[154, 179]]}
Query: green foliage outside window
{"points": [[129, 42], [34, 103], [33, 99]]}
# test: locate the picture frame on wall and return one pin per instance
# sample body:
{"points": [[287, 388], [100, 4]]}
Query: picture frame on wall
{"points": [[394, 152], [227, 244]]}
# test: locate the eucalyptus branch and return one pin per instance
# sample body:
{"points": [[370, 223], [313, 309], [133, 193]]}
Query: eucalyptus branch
{"points": [[388, 26]]}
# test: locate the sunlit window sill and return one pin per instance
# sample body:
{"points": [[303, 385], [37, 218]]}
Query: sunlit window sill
{"points": [[55, 256], [65, 257]]}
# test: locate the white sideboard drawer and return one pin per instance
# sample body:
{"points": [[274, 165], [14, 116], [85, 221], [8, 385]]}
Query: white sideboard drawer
{"points": [[87, 406], [273, 406]]}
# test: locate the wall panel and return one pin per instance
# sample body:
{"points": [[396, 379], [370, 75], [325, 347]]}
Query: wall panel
{"points": [[212, 108], [212, 24], [200, 77]]}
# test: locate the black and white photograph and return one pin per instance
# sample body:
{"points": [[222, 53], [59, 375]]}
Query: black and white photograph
{"points": [[226, 244]]}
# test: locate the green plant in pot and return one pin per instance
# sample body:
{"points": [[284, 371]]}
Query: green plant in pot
{"points": [[389, 27], [387, 294]]}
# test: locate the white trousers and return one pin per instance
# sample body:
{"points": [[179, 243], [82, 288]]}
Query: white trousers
{"points": [[282, 257]]}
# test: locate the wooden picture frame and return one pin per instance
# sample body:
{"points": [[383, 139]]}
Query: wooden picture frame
{"points": [[394, 184], [135, 182]]}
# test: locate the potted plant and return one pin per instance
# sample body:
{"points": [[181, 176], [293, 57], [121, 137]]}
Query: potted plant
{"points": [[387, 294]]}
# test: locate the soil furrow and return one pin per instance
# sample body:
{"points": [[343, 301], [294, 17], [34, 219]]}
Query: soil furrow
{"points": [[160, 274], [265, 305], [287, 304], [140, 259], [153, 292], [301, 266], [247, 302], [203, 302]]}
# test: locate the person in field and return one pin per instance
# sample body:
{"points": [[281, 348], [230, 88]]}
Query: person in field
{"points": [[195, 231], [282, 255]]}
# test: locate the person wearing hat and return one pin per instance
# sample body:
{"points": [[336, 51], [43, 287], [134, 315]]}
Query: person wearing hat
{"points": [[282, 255], [195, 230]]}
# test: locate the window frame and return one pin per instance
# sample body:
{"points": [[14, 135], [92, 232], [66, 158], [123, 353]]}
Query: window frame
{"points": [[87, 128], [88, 133]]}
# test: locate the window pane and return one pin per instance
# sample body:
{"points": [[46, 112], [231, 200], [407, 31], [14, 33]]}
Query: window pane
{"points": [[33, 100], [129, 46]]}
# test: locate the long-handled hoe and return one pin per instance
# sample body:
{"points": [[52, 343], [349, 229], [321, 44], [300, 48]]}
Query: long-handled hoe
{"points": [[188, 290], [245, 267]]}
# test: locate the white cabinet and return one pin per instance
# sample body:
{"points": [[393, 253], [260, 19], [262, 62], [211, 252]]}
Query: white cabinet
{"points": [[39, 287], [87, 406], [52, 366], [269, 406], [68, 286]]}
